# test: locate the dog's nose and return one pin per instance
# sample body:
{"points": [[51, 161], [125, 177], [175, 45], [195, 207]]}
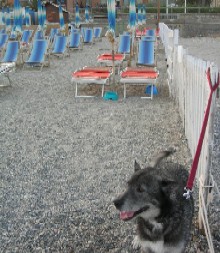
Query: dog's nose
{"points": [[118, 203]]}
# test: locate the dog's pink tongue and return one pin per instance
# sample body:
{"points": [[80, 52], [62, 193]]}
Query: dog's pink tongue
{"points": [[126, 215]]}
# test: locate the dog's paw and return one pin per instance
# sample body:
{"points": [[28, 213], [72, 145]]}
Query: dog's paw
{"points": [[136, 243]]}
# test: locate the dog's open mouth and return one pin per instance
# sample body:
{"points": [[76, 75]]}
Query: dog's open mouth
{"points": [[128, 215]]}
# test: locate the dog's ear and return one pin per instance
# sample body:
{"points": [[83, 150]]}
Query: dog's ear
{"points": [[136, 166], [156, 160]]}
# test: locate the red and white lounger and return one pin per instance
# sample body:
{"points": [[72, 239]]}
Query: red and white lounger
{"points": [[91, 75], [135, 76], [108, 58]]}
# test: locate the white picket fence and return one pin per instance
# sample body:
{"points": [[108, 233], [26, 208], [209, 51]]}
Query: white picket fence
{"points": [[188, 85]]}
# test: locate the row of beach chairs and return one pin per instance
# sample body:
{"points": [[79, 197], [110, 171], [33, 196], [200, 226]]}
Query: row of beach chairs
{"points": [[145, 71], [39, 47], [42, 47]]}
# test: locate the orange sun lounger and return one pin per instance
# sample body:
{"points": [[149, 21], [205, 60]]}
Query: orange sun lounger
{"points": [[91, 75], [135, 76], [108, 58]]}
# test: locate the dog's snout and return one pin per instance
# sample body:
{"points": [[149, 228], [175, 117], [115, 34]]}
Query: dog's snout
{"points": [[118, 203]]}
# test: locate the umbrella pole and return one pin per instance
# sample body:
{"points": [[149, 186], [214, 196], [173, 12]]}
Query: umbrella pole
{"points": [[131, 49], [113, 62]]}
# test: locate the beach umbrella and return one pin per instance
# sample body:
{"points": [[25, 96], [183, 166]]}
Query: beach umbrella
{"points": [[144, 16], [132, 21], [40, 14], [111, 31], [1, 18], [27, 16], [87, 14], [7, 19], [44, 17], [77, 18], [17, 16], [111, 15], [140, 17], [62, 25], [132, 15], [3, 15]]}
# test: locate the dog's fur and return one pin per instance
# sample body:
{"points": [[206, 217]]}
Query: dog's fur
{"points": [[155, 197]]}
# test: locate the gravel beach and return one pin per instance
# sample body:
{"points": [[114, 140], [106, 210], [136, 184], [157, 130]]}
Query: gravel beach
{"points": [[63, 160]]}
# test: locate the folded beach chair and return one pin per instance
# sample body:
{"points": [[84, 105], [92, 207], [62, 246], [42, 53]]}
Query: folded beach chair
{"points": [[146, 52], [8, 63], [60, 46], [124, 46], [91, 75], [75, 40], [144, 73], [97, 31], [87, 35], [39, 56]]}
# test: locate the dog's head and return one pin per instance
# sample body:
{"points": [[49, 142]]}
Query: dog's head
{"points": [[145, 194]]}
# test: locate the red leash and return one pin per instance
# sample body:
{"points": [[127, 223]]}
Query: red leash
{"points": [[193, 170]]}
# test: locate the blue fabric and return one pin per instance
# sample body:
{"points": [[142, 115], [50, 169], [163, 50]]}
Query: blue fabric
{"points": [[150, 32], [53, 32], [124, 44], [26, 36], [17, 16], [146, 51], [11, 53], [38, 51], [38, 35], [111, 15], [132, 14], [88, 35], [74, 40], [97, 31], [62, 25], [60, 45], [3, 39]]}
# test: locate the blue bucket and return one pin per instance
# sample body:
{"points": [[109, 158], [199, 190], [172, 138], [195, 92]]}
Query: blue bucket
{"points": [[111, 95], [148, 90]]}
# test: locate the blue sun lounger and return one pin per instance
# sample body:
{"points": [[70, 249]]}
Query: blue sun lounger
{"points": [[3, 40], [97, 31], [39, 35], [26, 35], [60, 46], [124, 44], [88, 35], [38, 54], [75, 40], [145, 72], [8, 63]]}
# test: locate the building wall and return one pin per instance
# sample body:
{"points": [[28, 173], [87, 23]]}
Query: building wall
{"points": [[52, 13]]}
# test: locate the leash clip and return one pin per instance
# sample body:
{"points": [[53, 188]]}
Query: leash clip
{"points": [[188, 193]]}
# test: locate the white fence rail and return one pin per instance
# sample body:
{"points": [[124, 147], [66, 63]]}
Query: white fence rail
{"points": [[188, 85]]}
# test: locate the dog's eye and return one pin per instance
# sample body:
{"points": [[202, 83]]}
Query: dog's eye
{"points": [[140, 189]]}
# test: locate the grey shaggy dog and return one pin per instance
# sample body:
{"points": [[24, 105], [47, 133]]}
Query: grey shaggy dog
{"points": [[154, 197]]}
